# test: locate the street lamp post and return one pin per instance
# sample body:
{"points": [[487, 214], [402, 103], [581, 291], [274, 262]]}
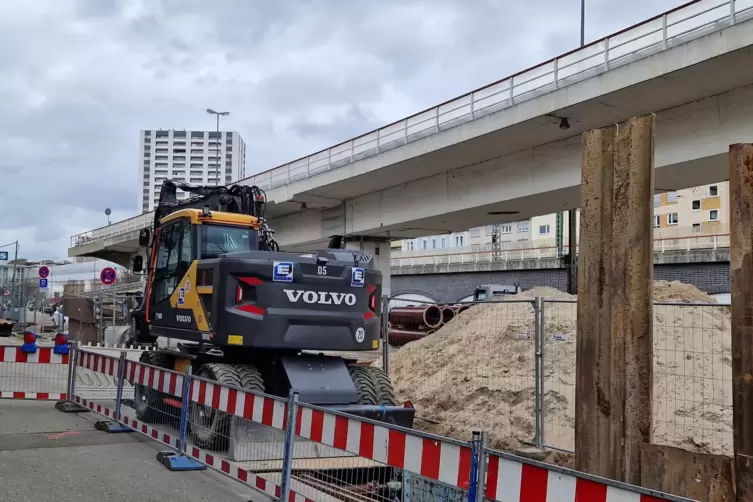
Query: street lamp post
{"points": [[218, 114]]}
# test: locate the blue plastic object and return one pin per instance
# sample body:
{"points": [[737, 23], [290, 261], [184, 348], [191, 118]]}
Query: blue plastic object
{"points": [[29, 348], [179, 462], [61, 348]]}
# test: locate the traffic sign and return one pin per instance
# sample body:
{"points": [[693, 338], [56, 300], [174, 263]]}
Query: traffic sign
{"points": [[44, 273], [42, 283], [107, 276], [3, 256], [6, 292]]}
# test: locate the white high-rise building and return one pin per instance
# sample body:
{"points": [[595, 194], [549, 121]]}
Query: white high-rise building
{"points": [[196, 157]]}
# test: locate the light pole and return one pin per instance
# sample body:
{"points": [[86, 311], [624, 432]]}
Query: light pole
{"points": [[218, 114]]}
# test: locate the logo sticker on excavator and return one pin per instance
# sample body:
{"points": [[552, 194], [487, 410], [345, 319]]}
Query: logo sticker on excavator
{"points": [[181, 296], [357, 278], [282, 271]]}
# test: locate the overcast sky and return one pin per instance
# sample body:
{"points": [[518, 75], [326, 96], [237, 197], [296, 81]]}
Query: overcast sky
{"points": [[79, 79]]}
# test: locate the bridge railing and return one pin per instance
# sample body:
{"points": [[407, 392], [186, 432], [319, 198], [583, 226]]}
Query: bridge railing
{"points": [[677, 26], [674, 27], [120, 228], [529, 250]]}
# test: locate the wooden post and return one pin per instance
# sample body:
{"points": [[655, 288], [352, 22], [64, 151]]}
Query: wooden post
{"points": [[593, 408], [614, 340], [632, 293], [741, 287]]}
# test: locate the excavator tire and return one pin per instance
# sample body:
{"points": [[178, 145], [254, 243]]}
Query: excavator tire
{"points": [[373, 386], [148, 402], [383, 386], [210, 428]]}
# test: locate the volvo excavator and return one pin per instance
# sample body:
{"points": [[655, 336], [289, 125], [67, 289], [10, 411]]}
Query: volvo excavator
{"points": [[246, 314]]}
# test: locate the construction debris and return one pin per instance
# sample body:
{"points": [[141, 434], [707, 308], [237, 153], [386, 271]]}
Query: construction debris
{"points": [[477, 371]]}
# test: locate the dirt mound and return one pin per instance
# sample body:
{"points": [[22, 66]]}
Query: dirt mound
{"points": [[477, 372]]}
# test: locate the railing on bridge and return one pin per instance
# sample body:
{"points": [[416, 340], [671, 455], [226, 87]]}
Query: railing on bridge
{"points": [[672, 28], [528, 250]]}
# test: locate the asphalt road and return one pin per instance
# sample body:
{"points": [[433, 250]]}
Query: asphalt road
{"points": [[46, 455]]}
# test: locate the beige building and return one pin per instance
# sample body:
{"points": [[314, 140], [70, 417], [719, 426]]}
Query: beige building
{"points": [[701, 210]]}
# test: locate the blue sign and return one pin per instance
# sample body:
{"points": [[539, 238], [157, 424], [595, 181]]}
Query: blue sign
{"points": [[357, 277], [181, 296], [42, 283], [3, 256], [283, 271]]}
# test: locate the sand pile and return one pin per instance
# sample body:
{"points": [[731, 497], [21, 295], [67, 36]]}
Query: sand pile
{"points": [[477, 372]]}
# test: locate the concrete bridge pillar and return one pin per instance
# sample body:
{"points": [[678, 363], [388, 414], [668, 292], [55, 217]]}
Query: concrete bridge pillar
{"points": [[379, 248]]}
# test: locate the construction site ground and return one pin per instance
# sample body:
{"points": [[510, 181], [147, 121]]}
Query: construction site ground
{"points": [[46, 455]]}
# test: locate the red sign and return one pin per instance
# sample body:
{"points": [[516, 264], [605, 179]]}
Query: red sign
{"points": [[107, 276], [44, 272]]}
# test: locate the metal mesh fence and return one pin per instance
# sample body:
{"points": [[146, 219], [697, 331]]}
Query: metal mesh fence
{"points": [[557, 373], [692, 376], [41, 374], [472, 370], [692, 392]]}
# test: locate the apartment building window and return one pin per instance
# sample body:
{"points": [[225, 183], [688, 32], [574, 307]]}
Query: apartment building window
{"points": [[505, 229], [444, 243], [147, 141], [160, 157], [180, 151], [696, 228], [671, 196], [523, 226], [229, 149], [197, 150], [214, 135], [657, 200], [163, 134], [161, 150], [543, 229], [197, 173], [160, 173], [146, 191], [475, 232], [197, 134], [146, 183], [409, 245], [179, 134], [714, 215], [228, 179], [162, 143], [695, 205], [179, 157], [147, 133], [713, 191], [178, 165], [193, 159], [673, 219], [459, 241], [179, 173], [197, 180], [433, 244], [423, 244], [657, 221], [197, 143], [229, 140]]}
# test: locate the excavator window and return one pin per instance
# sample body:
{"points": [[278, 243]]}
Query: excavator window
{"points": [[174, 256], [221, 239]]}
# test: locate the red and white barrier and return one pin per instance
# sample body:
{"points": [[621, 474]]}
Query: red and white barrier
{"points": [[264, 410], [155, 378], [43, 355], [513, 481]]}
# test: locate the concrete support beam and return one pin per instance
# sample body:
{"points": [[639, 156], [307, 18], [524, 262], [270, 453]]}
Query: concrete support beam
{"points": [[741, 288], [614, 358]]}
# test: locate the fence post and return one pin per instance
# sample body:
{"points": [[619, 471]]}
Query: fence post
{"points": [[114, 425], [68, 405], [481, 469], [538, 309], [386, 334], [179, 461], [287, 460], [473, 474]]}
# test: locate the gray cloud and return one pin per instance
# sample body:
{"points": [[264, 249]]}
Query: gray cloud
{"points": [[81, 78]]}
